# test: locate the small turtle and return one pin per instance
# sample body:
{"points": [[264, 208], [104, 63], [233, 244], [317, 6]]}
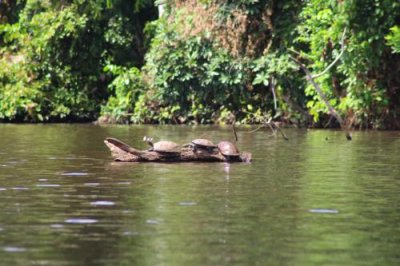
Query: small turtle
{"points": [[163, 146], [228, 150], [202, 144]]}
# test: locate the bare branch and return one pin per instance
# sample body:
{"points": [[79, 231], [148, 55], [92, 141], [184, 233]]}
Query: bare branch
{"points": [[257, 129], [270, 127], [319, 91], [273, 91], [234, 131], [281, 131], [336, 59], [301, 54], [311, 78]]}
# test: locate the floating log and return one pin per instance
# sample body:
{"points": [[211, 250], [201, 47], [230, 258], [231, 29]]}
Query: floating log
{"points": [[122, 152]]}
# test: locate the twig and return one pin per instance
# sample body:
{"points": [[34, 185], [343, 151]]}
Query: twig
{"points": [[302, 55], [273, 91], [281, 131], [273, 130], [257, 129], [272, 126], [329, 122], [234, 131], [336, 59]]}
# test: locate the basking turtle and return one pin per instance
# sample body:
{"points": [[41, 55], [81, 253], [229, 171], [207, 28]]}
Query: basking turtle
{"points": [[202, 144], [163, 146], [228, 150]]}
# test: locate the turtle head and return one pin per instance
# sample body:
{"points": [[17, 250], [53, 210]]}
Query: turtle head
{"points": [[148, 140]]}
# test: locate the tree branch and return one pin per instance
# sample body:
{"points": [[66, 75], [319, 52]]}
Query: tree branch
{"points": [[336, 59], [273, 92], [319, 91], [311, 78]]}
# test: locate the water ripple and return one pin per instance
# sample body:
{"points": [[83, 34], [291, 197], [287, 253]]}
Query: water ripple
{"points": [[130, 233], [332, 211], [153, 221], [102, 203], [123, 183], [91, 184], [14, 249], [20, 188], [48, 185], [187, 203], [74, 174], [80, 221], [57, 226]]}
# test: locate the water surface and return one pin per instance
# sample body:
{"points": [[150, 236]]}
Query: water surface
{"points": [[316, 199]]}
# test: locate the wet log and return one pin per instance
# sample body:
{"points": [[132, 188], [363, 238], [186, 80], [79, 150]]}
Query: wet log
{"points": [[122, 152]]}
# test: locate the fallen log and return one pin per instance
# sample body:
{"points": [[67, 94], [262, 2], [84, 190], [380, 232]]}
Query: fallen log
{"points": [[122, 152]]}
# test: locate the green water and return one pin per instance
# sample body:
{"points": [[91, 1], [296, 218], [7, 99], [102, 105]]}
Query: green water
{"points": [[316, 199]]}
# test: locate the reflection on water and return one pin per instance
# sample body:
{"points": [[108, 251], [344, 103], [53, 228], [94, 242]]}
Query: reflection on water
{"points": [[324, 211], [316, 199]]}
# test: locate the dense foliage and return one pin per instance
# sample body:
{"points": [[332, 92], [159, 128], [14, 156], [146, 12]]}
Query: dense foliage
{"points": [[208, 61], [216, 61], [52, 57], [365, 83], [204, 66]]}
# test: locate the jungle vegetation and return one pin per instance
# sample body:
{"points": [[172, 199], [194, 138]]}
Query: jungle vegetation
{"points": [[203, 61]]}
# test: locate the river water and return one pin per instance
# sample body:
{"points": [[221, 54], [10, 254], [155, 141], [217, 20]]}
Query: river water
{"points": [[316, 199]]}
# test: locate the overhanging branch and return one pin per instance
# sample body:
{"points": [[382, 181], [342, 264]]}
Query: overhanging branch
{"points": [[310, 78], [336, 59]]}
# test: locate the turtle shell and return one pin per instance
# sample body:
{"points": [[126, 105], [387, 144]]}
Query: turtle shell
{"points": [[203, 143], [228, 149], [166, 146]]}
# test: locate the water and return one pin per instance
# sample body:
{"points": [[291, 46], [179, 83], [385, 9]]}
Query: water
{"points": [[316, 199]]}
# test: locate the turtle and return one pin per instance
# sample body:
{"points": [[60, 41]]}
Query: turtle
{"points": [[163, 146], [228, 150], [202, 144]]}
